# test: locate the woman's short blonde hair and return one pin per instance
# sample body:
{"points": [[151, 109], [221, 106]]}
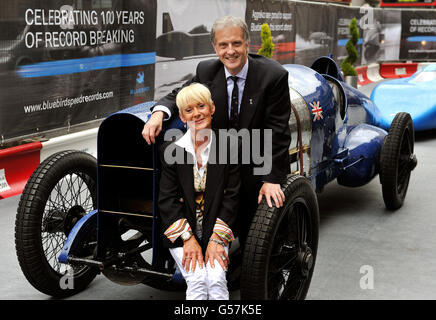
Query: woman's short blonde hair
{"points": [[194, 93]]}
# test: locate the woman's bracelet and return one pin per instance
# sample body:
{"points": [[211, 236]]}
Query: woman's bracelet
{"points": [[218, 241]]}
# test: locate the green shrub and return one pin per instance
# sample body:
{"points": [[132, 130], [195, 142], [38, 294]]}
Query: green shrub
{"points": [[267, 48], [347, 64]]}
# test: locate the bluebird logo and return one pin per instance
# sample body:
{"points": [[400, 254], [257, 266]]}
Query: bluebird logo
{"points": [[140, 77]]}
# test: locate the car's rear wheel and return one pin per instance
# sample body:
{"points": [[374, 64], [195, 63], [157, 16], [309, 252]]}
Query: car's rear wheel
{"points": [[58, 194], [397, 160], [280, 251]]}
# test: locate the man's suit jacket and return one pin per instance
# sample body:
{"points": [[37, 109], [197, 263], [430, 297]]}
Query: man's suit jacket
{"points": [[221, 197], [265, 105]]}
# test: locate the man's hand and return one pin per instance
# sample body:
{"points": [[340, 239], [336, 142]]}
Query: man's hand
{"points": [[271, 190], [153, 127]]}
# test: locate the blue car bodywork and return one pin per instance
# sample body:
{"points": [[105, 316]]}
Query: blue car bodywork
{"points": [[345, 138], [415, 95]]}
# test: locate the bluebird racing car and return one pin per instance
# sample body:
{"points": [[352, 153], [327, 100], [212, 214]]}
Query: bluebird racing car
{"points": [[79, 216], [415, 95]]}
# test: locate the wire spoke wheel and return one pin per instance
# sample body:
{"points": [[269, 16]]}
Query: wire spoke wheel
{"points": [[68, 202], [280, 252], [59, 193]]}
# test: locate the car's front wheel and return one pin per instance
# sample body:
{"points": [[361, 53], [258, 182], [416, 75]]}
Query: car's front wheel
{"points": [[57, 195], [280, 250], [397, 160]]}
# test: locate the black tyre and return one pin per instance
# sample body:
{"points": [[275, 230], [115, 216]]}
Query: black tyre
{"points": [[397, 160], [60, 191], [281, 247]]}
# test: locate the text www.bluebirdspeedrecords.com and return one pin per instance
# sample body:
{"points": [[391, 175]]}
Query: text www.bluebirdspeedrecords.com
{"points": [[67, 102]]}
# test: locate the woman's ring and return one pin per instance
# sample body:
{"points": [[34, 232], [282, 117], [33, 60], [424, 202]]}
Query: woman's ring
{"points": [[188, 258], [223, 257]]}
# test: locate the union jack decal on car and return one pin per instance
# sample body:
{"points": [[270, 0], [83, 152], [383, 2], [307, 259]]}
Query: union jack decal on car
{"points": [[316, 111]]}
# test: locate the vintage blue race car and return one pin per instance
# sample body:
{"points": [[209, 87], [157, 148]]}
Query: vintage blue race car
{"points": [[79, 216], [415, 95]]}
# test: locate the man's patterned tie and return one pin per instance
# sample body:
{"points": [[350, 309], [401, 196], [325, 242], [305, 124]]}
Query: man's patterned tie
{"points": [[234, 116]]}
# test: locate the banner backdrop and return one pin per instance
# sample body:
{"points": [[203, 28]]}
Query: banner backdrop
{"points": [[280, 17], [381, 35], [418, 36], [67, 62], [343, 16], [314, 32]]}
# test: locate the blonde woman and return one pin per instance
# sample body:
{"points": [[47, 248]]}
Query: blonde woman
{"points": [[198, 199]]}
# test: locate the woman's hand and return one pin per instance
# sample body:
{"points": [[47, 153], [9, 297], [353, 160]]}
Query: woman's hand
{"points": [[192, 254], [216, 251]]}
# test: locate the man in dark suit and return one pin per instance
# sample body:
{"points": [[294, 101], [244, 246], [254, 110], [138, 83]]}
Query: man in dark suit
{"points": [[250, 92]]}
